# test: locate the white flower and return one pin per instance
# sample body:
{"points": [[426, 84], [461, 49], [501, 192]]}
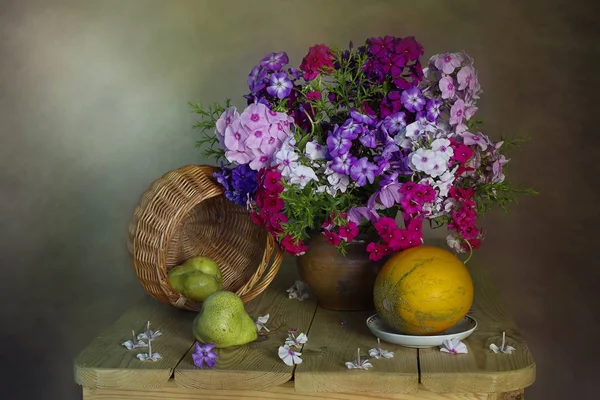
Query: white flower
{"points": [[296, 341], [289, 356], [134, 343], [298, 291], [454, 243], [418, 128], [358, 363], [315, 151], [442, 148], [503, 348], [286, 159], [301, 175], [454, 346], [336, 182], [149, 334], [260, 323], [379, 352], [428, 161], [445, 182]]}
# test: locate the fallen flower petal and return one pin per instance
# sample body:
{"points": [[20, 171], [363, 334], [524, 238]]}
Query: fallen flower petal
{"points": [[149, 356], [299, 291], [260, 323], [149, 334], [359, 364], [204, 355], [503, 347], [134, 344], [454, 346], [379, 352], [296, 341], [289, 356]]}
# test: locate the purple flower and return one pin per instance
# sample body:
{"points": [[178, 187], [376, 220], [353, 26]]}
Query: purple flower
{"points": [[350, 129], [235, 136], [387, 196], [244, 179], [447, 63], [223, 177], [394, 123], [470, 139], [337, 144], [457, 112], [296, 73], [365, 119], [355, 214], [256, 79], [433, 109], [275, 61], [368, 139], [362, 171], [204, 354], [447, 87], [279, 85], [341, 164], [412, 99]]}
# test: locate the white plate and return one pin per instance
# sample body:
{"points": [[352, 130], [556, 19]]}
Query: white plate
{"points": [[460, 331]]}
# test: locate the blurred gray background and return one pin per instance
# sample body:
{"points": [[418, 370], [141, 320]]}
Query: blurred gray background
{"points": [[93, 108]]}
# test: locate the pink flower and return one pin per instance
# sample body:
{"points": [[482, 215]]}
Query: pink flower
{"points": [[457, 112], [332, 238], [255, 116], [447, 63], [385, 225], [447, 87], [292, 246], [272, 181], [314, 95], [319, 58], [276, 220], [377, 251], [348, 232]]}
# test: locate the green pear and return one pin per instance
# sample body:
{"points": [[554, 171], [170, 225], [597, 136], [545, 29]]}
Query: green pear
{"points": [[223, 321], [196, 278]]}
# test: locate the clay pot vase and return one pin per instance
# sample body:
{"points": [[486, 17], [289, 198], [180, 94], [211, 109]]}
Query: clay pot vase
{"points": [[340, 282]]}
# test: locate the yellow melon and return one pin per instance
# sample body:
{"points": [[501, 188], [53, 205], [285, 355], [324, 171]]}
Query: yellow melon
{"points": [[423, 290]]}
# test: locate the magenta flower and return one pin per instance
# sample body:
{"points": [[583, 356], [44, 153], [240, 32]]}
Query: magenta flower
{"points": [[409, 48], [457, 112], [332, 238], [362, 171], [204, 355], [275, 61], [279, 85], [314, 95], [378, 250], [349, 231], [462, 154], [447, 63], [447, 87], [412, 99]]}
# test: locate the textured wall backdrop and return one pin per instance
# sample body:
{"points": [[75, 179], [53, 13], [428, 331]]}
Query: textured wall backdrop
{"points": [[93, 108]]}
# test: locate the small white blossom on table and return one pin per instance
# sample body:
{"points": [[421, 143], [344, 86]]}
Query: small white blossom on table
{"points": [[379, 352], [149, 334], [299, 291], [134, 343], [289, 356], [261, 322], [150, 356], [296, 341], [454, 346], [503, 347], [359, 364]]}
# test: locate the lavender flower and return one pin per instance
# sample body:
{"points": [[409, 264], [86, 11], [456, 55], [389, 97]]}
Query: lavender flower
{"points": [[454, 346], [315, 151], [279, 85], [447, 87], [370, 120], [433, 108], [275, 61], [447, 63], [341, 164], [412, 100], [394, 123], [362, 171], [367, 139], [204, 355], [350, 129], [457, 112], [337, 144]]}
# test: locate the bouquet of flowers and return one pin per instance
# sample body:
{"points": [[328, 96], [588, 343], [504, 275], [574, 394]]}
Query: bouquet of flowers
{"points": [[360, 139]]}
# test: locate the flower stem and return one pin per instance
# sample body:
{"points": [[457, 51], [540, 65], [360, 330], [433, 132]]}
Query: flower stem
{"points": [[503, 341], [470, 252]]}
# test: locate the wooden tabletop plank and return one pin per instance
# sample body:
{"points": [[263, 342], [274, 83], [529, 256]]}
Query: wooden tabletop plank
{"points": [[106, 363], [331, 344], [255, 366], [283, 392], [481, 370]]}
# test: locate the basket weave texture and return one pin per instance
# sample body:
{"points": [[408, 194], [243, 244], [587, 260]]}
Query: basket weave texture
{"points": [[184, 214]]}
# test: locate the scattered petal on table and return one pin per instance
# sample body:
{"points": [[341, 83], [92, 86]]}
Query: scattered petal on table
{"points": [[260, 323], [149, 334], [134, 343], [454, 346], [296, 341], [358, 363], [503, 348], [289, 356], [379, 352]]}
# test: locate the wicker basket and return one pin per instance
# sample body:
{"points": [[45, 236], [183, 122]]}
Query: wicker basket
{"points": [[184, 214]]}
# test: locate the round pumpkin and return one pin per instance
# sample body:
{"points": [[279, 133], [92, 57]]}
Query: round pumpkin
{"points": [[423, 290]]}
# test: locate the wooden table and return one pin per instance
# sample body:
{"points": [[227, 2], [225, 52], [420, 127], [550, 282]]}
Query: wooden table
{"points": [[108, 371]]}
